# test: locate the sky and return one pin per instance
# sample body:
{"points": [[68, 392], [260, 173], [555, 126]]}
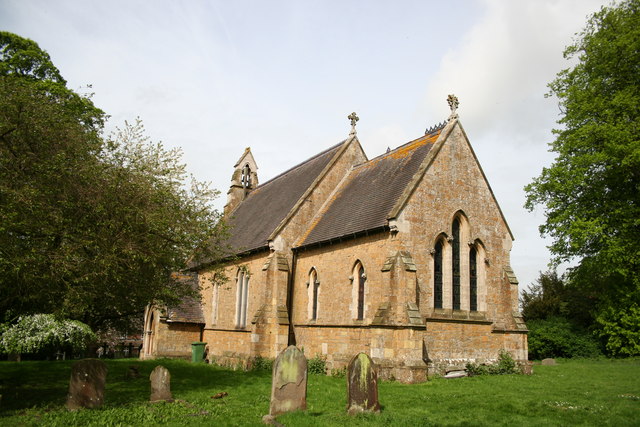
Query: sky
{"points": [[281, 77]]}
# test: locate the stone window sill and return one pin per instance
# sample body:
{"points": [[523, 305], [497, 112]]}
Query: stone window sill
{"points": [[458, 315]]}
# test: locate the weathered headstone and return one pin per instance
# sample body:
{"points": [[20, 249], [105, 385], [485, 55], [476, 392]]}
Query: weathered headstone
{"points": [[289, 384], [160, 384], [549, 362], [526, 367], [86, 386], [362, 385], [133, 372]]}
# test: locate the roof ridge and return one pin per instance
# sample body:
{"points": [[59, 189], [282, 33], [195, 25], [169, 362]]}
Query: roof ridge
{"points": [[315, 156], [436, 128]]}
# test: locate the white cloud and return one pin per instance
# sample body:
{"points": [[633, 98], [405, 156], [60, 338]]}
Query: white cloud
{"points": [[499, 71], [504, 62]]}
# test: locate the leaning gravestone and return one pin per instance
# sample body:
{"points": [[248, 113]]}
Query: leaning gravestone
{"points": [[289, 384], [86, 387], [362, 385], [160, 384]]}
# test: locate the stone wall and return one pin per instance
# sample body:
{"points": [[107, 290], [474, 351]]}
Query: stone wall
{"points": [[228, 347], [455, 185], [226, 341], [174, 339], [336, 294], [397, 351], [225, 318]]}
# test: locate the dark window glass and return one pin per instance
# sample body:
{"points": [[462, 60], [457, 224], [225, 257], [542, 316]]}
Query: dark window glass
{"points": [[361, 279], [437, 276], [240, 284], [315, 283], [456, 264], [473, 280]]}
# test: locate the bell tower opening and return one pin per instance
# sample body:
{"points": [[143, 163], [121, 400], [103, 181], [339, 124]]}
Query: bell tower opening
{"points": [[243, 180]]}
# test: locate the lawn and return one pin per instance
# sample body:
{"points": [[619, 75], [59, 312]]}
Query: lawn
{"points": [[575, 392]]}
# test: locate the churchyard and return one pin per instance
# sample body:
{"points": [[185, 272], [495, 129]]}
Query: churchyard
{"points": [[585, 392]]}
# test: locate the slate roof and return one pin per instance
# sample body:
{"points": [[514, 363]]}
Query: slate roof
{"points": [[257, 216], [370, 192], [189, 310]]}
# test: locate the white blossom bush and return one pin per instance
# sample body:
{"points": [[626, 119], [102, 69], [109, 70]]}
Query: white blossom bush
{"points": [[38, 332]]}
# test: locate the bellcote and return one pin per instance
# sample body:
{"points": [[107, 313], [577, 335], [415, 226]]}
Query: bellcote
{"points": [[243, 180]]}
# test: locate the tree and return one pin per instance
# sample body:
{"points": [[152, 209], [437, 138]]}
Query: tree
{"points": [[91, 227], [559, 318], [23, 58], [591, 192], [545, 298], [557, 296]]}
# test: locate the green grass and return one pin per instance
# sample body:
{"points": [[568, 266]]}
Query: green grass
{"points": [[575, 392]]}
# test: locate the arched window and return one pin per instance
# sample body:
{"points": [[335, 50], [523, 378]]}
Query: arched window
{"points": [[214, 301], [242, 293], [473, 279], [437, 275], [246, 176], [455, 264], [312, 288], [359, 279], [477, 279]]}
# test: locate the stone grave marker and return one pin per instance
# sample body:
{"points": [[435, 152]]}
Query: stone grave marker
{"points": [[289, 384], [549, 362], [86, 386], [457, 374], [160, 385], [362, 385], [133, 372]]}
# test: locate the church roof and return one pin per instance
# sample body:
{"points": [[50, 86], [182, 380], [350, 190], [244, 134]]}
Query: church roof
{"points": [[368, 195], [190, 309], [263, 210]]}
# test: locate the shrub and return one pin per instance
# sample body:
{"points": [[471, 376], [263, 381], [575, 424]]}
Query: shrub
{"points": [[317, 365], [557, 337], [43, 332], [339, 372], [505, 365], [262, 364]]}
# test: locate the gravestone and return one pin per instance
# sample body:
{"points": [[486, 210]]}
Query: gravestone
{"points": [[289, 384], [362, 385], [160, 385], [133, 372], [86, 386], [526, 367], [456, 374], [549, 362]]}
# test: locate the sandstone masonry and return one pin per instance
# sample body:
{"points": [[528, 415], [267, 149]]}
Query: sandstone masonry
{"points": [[404, 257]]}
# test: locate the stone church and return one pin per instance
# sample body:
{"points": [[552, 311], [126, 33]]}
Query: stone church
{"points": [[404, 256]]}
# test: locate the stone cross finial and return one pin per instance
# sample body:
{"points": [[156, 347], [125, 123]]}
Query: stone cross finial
{"points": [[453, 102], [354, 119]]}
